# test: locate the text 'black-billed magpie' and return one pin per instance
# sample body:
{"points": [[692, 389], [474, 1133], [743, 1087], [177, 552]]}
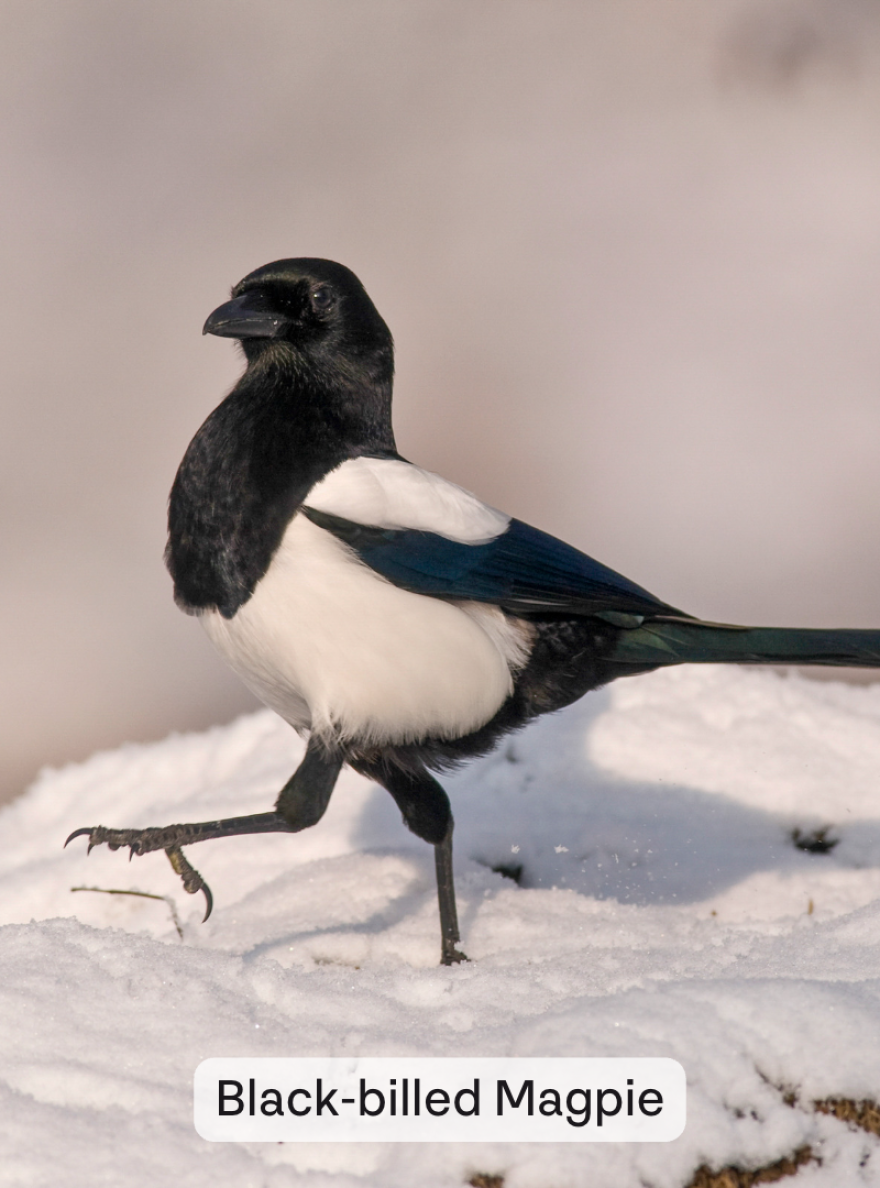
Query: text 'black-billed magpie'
{"points": [[388, 614]]}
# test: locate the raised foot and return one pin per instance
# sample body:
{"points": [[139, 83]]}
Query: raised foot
{"points": [[139, 841], [144, 841], [171, 837]]}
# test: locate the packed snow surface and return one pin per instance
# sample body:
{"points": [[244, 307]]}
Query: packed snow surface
{"points": [[662, 910]]}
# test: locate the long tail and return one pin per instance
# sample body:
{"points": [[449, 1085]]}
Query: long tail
{"points": [[680, 641]]}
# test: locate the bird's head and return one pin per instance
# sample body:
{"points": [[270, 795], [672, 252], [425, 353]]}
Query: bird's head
{"points": [[315, 309]]}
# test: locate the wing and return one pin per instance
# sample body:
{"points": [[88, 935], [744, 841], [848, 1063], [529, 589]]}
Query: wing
{"points": [[523, 570], [431, 537]]}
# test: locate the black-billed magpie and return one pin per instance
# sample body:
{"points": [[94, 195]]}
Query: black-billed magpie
{"points": [[389, 615]]}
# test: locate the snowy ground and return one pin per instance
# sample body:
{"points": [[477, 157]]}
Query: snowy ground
{"points": [[663, 910]]}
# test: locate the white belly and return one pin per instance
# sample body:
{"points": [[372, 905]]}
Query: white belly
{"points": [[334, 648]]}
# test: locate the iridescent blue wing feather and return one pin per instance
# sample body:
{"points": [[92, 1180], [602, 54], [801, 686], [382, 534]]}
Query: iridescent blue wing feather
{"points": [[522, 570]]}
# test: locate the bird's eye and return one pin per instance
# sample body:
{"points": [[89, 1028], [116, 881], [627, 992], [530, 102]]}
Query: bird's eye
{"points": [[322, 298]]}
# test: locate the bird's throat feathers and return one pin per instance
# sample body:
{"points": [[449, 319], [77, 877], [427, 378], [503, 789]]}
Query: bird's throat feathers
{"points": [[315, 399], [289, 420]]}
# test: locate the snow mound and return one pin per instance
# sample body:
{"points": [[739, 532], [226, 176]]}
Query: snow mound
{"points": [[661, 909]]}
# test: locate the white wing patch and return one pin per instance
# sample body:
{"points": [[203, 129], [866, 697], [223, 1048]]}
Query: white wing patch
{"points": [[388, 493]]}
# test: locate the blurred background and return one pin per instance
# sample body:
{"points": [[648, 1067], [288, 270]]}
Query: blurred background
{"points": [[630, 253]]}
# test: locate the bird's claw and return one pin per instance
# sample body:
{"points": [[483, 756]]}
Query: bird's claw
{"points": [[91, 830], [190, 877], [143, 841], [137, 840]]}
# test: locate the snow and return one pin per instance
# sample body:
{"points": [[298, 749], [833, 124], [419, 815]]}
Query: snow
{"points": [[663, 911]]}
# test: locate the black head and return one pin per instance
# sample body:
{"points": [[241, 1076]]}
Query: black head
{"points": [[316, 391], [317, 309]]}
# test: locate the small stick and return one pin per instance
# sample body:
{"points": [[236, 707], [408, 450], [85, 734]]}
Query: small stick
{"points": [[143, 895]]}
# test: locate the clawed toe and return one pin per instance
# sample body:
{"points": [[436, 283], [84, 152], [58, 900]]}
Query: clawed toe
{"points": [[143, 841], [137, 840], [89, 829], [97, 835], [190, 877]]}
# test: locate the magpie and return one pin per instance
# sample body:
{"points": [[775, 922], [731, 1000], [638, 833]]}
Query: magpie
{"points": [[391, 617]]}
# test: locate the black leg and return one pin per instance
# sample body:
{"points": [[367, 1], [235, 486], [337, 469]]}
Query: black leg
{"points": [[449, 934], [301, 804], [303, 800], [426, 811]]}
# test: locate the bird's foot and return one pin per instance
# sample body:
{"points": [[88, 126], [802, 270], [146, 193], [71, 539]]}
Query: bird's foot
{"points": [[139, 841], [452, 956], [144, 841], [170, 838]]}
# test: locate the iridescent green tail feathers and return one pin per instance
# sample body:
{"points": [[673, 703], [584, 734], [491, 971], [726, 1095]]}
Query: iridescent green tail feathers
{"points": [[666, 641]]}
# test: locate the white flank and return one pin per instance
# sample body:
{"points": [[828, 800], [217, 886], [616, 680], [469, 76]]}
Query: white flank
{"points": [[333, 647], [386, 493]]}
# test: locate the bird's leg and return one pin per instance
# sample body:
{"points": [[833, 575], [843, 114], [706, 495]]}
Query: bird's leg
{"points": [[426, 811], [300, 804], [449, 934], [303, 800]]}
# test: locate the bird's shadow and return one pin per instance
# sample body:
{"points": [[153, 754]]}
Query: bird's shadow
{"points": [[570, 824], [384, 918]]}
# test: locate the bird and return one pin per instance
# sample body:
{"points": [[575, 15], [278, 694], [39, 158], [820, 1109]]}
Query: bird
{"points": [[392, 618]]}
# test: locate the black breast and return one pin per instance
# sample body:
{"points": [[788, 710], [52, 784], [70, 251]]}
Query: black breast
{"points": [[244, 475]]}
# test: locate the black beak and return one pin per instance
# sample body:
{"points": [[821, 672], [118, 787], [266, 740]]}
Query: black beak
{"points": [[247, 316]]}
